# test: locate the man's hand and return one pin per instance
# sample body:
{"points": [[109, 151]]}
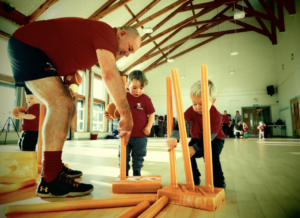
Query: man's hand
{"points": [[172, 143], [107, 116], [125, 127], [146, 131], [192, 151]]}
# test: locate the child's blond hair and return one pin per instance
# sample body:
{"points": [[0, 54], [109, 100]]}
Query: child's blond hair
{"points": [[196, 90]]}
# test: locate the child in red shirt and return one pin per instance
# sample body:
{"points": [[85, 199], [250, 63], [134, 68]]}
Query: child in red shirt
{"points": [[261, 128], [30, 123], [141, 106], [194, 115], [245, 129]]}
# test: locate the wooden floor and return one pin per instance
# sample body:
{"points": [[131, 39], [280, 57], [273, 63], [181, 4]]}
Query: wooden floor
{"points": [[262, 177]]}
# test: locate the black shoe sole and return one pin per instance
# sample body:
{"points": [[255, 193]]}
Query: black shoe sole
{"points": [[70, 194]]}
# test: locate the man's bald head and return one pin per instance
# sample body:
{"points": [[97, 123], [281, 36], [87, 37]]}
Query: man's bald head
{"points": [[129, 40]]}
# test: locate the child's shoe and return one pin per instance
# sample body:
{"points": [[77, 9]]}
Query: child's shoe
{"points": [[136, 173], [62, 186]]}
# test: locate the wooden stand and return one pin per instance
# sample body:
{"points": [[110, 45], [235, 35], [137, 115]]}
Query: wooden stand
{"points": [[40, 139], [134, 184], [203, 197]]}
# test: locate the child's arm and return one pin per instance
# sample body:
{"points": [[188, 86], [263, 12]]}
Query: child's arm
{"points": [[27, 116], [147, 129], [107, 116]]}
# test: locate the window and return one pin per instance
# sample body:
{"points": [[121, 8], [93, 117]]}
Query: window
{"points": [[98, 110], [98, 89], [81, 87], [7, 105], [80, 115]]}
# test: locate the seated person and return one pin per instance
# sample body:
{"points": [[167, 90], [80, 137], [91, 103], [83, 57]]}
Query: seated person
{"points": [[238, 130]]}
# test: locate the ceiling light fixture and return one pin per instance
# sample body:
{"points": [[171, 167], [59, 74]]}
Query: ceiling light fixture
{"points": [[170, 60], [234, 53], [232, 72], [182, 76], [148, 30], [239, 15]]}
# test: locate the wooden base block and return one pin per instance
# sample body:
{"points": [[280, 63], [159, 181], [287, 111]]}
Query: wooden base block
{"points": [[17, 167], [137, 184], [198, 198]]}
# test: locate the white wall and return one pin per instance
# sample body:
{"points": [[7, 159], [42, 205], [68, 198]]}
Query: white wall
{"points": [[288, 79]]}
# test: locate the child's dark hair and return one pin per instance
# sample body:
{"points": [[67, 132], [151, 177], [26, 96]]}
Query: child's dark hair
{"points": [[139, 76]]}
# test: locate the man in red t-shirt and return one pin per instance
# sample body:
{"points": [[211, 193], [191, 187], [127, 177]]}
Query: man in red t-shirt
{"points": [[40, 53], [194, 115]]}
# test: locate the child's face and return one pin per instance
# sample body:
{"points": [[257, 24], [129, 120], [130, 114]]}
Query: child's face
{"points": [[32, 99], [197, 104], [135, 88]]}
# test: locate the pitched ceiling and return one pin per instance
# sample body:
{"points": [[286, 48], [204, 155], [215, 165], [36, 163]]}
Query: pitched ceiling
{"points": [[177, 24]]}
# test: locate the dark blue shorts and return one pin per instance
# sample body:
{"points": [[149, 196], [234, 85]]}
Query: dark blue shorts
{"points": [[28, 63]]}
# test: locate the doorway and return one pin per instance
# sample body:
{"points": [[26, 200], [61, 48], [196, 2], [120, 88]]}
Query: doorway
{"points": [[251, 118]]}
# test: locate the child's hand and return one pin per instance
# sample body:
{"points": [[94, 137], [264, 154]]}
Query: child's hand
{"points": [[107, 116], [21, 115], [172, 143], [192, 151], [146, 130]]}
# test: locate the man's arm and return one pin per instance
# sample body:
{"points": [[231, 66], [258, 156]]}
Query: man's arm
{"points": [[115, 87]]}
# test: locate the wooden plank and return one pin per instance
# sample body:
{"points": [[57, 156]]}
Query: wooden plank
{"points": [[159, 13], [4, 35], [288, 4], [273, 27], [205, 5], [7, 79], [41, 9], [15, 15], [111, 9], [184, 52], [96, 76], [141, 13], [102, 8], [213, 20], [271, 13], [280, 14], [180, 24], [194, 15], [89, 100], [222, 32]]}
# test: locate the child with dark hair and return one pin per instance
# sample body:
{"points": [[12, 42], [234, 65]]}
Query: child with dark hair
{"points": [[141, 106]]}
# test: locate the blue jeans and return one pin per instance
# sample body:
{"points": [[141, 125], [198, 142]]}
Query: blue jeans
{"points": [[137, 147]]}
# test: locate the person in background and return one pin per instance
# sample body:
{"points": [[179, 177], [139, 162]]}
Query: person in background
{"points": [[263, 117], [225, 123], [238, 130], [245, 128], [156, 126], [261, 128], [237, 117]]}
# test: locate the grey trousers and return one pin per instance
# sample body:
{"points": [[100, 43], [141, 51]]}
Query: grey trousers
{"points": [[137, 148]]}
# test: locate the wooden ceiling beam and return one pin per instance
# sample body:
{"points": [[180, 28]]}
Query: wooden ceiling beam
{"points": [[261, 23], [213, 20], [4, 35], [141, 13], [194, 15], [205, 5], [273, 27], [159, 13], [182, 23], [111, 9], [41, 9], [280, 14], [183, 52], [182, 40], [222, 33], [14, 15], [288, 4], [165, 20], [102, 8], [271, 13]]}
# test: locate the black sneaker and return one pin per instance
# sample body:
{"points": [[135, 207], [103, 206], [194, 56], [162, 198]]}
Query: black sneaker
{"points": [[197, 180], [62, 186], [221, 184], [72, 173]]}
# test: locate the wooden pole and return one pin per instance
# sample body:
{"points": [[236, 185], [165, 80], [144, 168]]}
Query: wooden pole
{"points": [[40, 139], [206, 130], [136, 211], [14, 187], [155, 208], [172, 155], [123, 159], [182, 130]]}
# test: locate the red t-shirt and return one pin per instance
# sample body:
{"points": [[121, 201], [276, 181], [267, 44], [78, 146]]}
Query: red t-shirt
{"points": [[70, 43], [140, 107], [262, 128], [245, 129], [196, 123], [32, 125]]}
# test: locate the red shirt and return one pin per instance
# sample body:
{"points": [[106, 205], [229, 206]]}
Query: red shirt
{"points": [[140, 107], [225, 119], [71, 42], [262, 128], [32, 125], [196, 123], [245, 129]]}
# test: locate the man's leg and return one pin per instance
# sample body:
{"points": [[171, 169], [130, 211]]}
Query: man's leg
{"points": [[139, 151], [60, 110]]}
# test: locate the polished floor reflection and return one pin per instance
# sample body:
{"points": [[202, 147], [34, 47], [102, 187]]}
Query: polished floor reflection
{"points": [[262, 178]]}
